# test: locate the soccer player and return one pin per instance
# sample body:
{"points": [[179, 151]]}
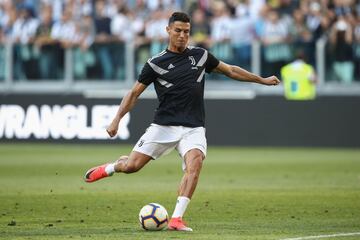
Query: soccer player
{"points": [[178, 75]]}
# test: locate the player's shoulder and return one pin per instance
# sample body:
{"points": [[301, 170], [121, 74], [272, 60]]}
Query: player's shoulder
{"points": [[194, 49], [158, 57]]}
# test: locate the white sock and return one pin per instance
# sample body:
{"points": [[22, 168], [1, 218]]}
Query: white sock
{"points": [[110, 168], [181, 205]]}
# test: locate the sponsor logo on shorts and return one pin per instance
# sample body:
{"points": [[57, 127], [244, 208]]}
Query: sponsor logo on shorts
{"points": [[141, 142]]}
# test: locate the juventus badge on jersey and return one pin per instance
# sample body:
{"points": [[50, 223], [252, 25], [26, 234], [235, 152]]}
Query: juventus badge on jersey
{"points": [[192, 59]]}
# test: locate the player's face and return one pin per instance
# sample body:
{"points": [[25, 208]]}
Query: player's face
{"points": [[179, 33]]}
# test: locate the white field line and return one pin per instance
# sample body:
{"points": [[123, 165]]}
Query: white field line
{"points": [[324, 236]]}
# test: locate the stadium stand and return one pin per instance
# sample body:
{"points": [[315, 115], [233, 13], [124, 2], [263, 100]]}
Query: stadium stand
{"points": [[77, 45]]}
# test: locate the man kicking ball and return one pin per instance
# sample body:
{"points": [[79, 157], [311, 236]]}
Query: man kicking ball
{"points": [[178, 74]]}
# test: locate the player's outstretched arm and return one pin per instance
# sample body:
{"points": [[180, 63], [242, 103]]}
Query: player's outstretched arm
{"points": [[126, 105], [240, 74]]}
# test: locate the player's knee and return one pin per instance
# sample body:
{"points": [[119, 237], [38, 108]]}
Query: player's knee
{"points": [[131, 168], [122, 159], [198, 158]]}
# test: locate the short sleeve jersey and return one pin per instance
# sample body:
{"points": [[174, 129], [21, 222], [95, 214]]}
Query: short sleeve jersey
{"points": [[179, 84]]}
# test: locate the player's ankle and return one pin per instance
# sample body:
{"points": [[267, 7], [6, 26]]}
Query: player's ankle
{"points": [[110, 169], [180, 207]]}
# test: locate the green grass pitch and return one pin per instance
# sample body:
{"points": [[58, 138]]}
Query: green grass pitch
{"points": [[243, 193]]}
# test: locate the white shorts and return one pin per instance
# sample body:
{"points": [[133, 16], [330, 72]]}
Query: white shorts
{"points": [[159, 140]]}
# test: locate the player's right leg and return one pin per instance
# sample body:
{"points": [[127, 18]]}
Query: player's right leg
{"points": [[125, 164], [155, 142], [193, 162], [192, 147]]}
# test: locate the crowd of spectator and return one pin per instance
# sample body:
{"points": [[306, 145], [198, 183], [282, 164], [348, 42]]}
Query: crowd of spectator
{"points": [[97, 31]]}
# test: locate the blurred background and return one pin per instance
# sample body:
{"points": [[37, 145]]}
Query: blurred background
{"points": [[61, 52], [98, 41]]}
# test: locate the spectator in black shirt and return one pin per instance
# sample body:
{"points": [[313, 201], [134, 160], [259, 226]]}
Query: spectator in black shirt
{"points": [[341, 40], [102, 39]]}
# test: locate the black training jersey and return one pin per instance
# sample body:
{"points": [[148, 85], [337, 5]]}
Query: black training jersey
{"points": [[179, 84]]}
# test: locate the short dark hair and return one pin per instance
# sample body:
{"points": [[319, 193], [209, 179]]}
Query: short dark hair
{"points": [[179, 16]]}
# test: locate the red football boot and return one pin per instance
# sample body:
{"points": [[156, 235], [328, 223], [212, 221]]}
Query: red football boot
{"points": [[177, 224], [96, 173]]}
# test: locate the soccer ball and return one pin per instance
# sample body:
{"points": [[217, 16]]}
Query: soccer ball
{"points": [[153, 217]]}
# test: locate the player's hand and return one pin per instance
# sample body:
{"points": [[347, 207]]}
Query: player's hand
{"points": [[112, 128], [271, 81]]}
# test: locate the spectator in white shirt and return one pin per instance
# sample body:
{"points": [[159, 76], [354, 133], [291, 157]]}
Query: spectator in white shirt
{"points": [[155, 31], [25, 26], [84, 57], [221, 31], [277, 51], [121, 25], [8, 16], [242, 29], [64, 31]]}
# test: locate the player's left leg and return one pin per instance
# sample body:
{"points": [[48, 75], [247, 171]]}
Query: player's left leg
{"points": [[193, 162]]}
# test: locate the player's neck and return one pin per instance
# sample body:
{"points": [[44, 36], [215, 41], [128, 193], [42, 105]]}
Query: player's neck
{"points": [[176, 49]]}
